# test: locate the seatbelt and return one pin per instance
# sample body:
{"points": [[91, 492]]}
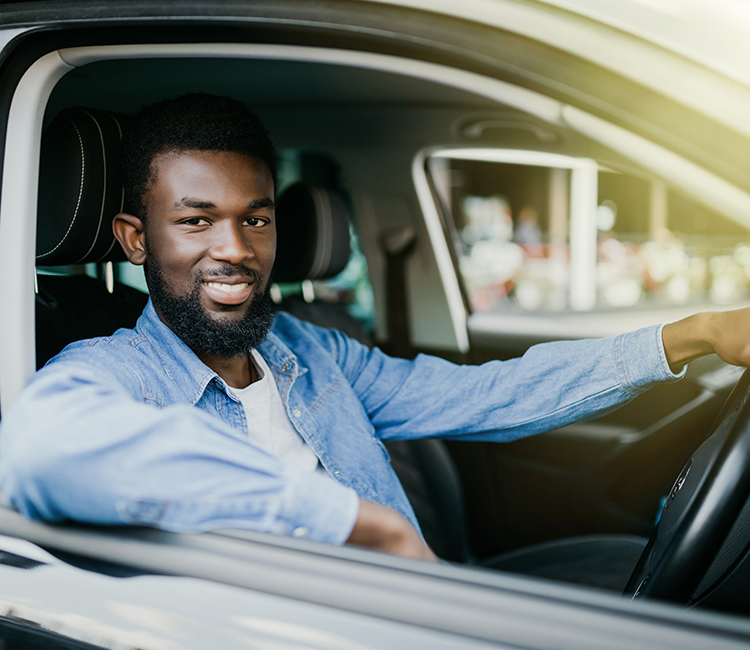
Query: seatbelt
{"points": [[398, 244]]}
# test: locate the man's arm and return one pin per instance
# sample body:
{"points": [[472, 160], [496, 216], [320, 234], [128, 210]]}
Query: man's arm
{"points": [[383, 529], [726, 333], [175, 468], [76, 445], [552, 385]]}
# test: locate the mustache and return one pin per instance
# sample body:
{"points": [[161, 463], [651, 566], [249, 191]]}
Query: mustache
{"points": [[231, 272]]}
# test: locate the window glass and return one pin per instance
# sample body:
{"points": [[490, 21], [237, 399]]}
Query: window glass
{"points": [[514, 234], [131, 275]]}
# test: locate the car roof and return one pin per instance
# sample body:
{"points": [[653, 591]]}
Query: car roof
{"points": [[713, 33]]}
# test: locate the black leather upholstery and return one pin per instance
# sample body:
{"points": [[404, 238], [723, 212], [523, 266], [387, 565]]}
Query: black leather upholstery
{"points": [[80, 188], [80, 191], [602, 561], [312, 231], [70, 308]]}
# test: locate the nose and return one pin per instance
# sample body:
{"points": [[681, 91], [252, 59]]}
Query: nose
{"points": [[230, 243]]}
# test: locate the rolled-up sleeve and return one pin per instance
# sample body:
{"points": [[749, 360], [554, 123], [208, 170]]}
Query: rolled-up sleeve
{"points": [[77, 446]]}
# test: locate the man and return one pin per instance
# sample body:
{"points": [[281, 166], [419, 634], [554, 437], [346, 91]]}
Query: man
{"points": [[211, 414]]}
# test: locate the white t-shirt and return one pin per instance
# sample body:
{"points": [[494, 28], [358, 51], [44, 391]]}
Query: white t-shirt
{"points": [[268, 424]]}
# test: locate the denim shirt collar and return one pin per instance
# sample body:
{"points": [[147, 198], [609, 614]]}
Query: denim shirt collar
{"points": [[184, 367]]}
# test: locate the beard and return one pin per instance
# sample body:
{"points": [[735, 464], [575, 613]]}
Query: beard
{"points": [[186, 316]]}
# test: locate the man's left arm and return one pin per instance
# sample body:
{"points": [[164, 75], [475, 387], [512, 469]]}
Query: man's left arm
{"points": [[726, 333]]}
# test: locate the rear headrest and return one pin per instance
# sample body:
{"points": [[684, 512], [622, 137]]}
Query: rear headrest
{"points": [[312, 231], [80, 188]]}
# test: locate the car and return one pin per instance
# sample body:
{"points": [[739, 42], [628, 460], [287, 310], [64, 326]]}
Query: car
{"points": [[428, 122]]}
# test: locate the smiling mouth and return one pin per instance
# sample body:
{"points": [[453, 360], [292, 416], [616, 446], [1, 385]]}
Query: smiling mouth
{"points": [[228, 294], [228, 288]]}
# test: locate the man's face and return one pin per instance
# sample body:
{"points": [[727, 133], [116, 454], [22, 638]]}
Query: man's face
{"points": [[210, 239]]}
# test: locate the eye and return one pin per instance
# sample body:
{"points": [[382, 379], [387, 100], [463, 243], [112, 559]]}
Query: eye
{"points": [[256, 222], [195, 221]]}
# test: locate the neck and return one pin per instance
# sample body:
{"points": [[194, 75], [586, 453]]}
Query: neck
{"points": [[238, 371]]}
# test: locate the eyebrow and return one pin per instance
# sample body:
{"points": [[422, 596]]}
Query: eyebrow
{"points": [[207, 205], [261, 203]]}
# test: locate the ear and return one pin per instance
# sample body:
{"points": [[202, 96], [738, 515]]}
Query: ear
{"points": [[129, 231]]}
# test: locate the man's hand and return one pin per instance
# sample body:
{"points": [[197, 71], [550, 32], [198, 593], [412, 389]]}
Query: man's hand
{"points": [[727, 333], [383, 529]]}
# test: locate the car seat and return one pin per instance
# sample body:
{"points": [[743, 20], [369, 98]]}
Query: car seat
{"points": [[80, 190]]}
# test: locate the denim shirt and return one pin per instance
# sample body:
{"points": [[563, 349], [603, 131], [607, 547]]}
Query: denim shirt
{"points": [[134, 428]]}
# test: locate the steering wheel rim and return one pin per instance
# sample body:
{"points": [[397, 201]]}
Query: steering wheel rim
{"points": [[701, 508]]}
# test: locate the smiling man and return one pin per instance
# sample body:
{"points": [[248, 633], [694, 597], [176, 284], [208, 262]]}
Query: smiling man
{"points": [[211, 413], [209, 253]]}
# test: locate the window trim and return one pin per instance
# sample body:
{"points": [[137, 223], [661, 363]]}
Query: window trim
{"points": [[581, 209]]}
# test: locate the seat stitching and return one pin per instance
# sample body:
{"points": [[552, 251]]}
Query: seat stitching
{"points": [[103, 257], [80, 193], [104, 190], [122, 193]]}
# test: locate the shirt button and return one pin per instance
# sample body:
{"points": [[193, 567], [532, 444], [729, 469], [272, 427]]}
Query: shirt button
{"points": [[336, 473], [285, 367], [297, 413], [301, 531]]}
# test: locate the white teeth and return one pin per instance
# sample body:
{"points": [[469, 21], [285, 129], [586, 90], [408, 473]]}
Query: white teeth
{"points": [[228, 288]]}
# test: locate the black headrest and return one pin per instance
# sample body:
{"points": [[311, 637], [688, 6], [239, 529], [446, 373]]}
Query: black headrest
{"points": [[80, 188], [312, 231]]}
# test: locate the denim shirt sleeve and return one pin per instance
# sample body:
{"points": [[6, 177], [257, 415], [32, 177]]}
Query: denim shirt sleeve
{"points": [[552, 385], [175, 468]]}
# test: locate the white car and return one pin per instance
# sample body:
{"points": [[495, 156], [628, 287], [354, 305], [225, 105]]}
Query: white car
{"points": [[517, 171]]}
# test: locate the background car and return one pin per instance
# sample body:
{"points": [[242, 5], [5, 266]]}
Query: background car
{"points": [[437, 124]]}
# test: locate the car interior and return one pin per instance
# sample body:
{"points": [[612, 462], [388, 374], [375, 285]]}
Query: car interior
{"points": [[356, 132], [313, 243]]}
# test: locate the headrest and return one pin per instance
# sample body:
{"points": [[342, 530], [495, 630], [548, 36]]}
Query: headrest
{"points": [[312, 231], [80, 188]]}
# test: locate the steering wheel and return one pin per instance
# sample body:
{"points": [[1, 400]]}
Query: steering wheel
{"points": [[701, 540]]}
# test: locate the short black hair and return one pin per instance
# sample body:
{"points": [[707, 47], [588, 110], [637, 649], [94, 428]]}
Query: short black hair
{"points": [[197, 122]]}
